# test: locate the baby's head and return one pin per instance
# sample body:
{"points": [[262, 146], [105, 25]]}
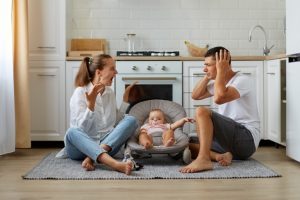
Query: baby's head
{"points": [[156, 116]]}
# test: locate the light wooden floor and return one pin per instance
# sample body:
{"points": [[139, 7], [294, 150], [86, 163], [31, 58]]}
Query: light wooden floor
{"points": [[13, 187]]}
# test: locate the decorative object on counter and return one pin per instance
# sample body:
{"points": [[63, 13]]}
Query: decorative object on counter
{"points": [[194, 50], [266, 50], [87, 47], [130, 39], [148, 53]]}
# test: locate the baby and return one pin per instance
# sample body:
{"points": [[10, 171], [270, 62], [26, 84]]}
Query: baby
{"points": [[157, 124]]}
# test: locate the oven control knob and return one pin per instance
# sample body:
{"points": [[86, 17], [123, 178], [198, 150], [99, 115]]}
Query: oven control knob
{"points": [[134, 68], [163, 68], [149, 68]]}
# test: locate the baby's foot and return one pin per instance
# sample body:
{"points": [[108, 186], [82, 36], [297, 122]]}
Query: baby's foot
{"points": [[170, 142], [147, 145], [88, 164]]}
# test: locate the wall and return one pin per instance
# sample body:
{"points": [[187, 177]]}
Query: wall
{"points": [[165, 24]]}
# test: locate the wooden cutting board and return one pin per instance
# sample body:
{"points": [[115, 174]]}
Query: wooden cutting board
{"points": [[88, 45], [84, 53]]}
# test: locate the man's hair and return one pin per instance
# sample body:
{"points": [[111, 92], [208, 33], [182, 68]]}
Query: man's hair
{"points": [[212, 52]]}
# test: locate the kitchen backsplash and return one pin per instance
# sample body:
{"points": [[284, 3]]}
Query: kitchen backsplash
{"points": [[164, 25]]}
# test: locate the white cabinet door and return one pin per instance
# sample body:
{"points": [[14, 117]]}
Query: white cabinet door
{"points": [[47, 100], [47, 27], [72, 68], [273, 106], [274, 100], [292, 27]]}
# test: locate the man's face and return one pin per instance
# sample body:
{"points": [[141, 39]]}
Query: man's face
{"points": [[210, 67]]}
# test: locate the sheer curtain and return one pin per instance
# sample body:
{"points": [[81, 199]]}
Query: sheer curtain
{"points": [[7, 105], [14, 86]]}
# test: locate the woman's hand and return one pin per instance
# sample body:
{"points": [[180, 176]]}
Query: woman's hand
{"points": [[92, 95], [127, 91]]}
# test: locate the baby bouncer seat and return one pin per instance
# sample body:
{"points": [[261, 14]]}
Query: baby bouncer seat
{"points": [[173, 112]]}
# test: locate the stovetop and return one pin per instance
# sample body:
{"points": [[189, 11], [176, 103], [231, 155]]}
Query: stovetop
{"points": [[148, 53]]}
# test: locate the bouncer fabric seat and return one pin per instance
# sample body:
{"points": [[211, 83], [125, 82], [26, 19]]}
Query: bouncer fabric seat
{"points": [[173, 112]]}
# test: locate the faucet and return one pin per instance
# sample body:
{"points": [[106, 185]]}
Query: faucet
{"points": [[266, 50]]}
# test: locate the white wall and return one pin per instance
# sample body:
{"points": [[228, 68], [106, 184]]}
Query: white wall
{"points": [[165, 24]]}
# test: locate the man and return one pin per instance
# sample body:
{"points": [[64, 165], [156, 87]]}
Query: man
{"points": [[233, 132]]}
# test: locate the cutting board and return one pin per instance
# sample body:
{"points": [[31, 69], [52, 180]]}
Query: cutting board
{"points": [[88, 45], [84, 53]]}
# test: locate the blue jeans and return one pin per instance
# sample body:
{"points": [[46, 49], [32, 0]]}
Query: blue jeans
{"points": [[78, 145]]}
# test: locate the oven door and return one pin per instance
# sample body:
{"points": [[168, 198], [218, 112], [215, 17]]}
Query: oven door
{"points": [[158, 86]]}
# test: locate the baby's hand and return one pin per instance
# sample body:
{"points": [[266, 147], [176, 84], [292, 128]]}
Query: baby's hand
{"points": [[188, 119]]}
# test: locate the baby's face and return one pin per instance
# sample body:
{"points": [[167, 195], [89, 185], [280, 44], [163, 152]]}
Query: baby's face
{"points": [[156, 117]]}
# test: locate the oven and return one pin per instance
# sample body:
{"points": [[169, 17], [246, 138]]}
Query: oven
{"points": [[156, 80]]}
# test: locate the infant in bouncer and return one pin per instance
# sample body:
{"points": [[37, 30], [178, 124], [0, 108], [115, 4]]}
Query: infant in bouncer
{"points": [[157, 124]]}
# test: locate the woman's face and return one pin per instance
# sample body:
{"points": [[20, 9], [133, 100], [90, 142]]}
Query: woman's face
{"points": [[108, 72]]}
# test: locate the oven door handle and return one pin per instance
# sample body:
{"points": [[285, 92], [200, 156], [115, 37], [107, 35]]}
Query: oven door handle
{"points": [[148, 78]]}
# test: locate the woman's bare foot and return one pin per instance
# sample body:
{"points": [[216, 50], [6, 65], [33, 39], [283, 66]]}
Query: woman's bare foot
{"points": [[170, 142], [224, 159], [124, 167], [197, 165], [88, 164]]}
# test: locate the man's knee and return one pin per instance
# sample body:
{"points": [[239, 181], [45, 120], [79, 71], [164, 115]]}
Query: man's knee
{"points": [[202, 112], [131, 121]]}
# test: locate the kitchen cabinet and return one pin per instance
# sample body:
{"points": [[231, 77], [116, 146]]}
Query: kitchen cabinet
{"points": [[47, 100], [193, 72], [275, 110], [46, 26], [47, 52]]}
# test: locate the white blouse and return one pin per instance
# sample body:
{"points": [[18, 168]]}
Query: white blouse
{"points": [[104, 117]]}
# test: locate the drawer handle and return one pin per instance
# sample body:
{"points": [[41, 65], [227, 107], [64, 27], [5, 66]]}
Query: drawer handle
{"points": [[46, 75], [148, 78], [199, 74], [46, 47], [271, 73], [247, 73]]}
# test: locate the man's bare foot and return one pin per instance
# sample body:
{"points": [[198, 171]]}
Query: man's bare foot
{"points": [[88, 164], [224, 159], [124, 167], [197, 165], [170, 142]]}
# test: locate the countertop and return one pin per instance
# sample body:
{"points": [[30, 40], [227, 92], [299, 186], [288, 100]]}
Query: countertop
{"points": [[185, 58]]}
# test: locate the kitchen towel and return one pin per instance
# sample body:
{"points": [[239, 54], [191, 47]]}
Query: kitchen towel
{"points": [[157, 167]]}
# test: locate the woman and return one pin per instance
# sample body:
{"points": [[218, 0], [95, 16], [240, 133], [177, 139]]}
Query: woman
{"points": [[97, 129]]}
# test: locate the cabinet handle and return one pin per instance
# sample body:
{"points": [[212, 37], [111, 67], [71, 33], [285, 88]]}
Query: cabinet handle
{"points": [[195, 106], [46, 47], [271, 73], [247, 73], [148, 78], [199, 74], [284, 101], [47, 75]]}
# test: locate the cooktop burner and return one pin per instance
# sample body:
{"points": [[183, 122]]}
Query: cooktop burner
{"points": [[148, 53]]}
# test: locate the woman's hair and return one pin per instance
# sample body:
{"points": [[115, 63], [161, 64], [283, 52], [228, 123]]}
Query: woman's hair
{"points": [[88, 67], [212, 52]]}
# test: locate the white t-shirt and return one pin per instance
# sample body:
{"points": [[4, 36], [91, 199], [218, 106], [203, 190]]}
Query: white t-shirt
{"points": [[243, 110]]}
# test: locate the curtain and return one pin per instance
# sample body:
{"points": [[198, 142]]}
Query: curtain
{"points": [[14, 86], [7, 109], [21, 73]]}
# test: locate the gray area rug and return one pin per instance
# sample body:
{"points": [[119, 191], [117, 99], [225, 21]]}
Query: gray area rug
{"points": [[157, 167]]}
